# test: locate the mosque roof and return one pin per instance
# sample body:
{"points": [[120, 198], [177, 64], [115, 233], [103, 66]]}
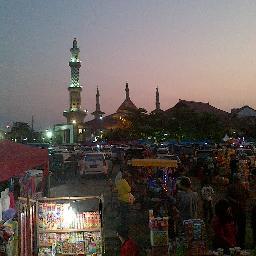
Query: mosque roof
{"points": [[126, 106]]}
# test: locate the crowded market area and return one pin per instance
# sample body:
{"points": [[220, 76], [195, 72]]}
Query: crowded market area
{"points": [[199, 204], [192, 201]]}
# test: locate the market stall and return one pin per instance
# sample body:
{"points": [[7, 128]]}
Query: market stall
{"points": [[15, 161], [155, 174], [65, 226], [26, 209], [158, 180]]}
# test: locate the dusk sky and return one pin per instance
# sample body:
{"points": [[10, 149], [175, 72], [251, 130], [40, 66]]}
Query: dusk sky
{"points": [[194, 50]]}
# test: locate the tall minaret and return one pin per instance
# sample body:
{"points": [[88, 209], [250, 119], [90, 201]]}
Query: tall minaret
{"points": [[74, 114], [157, 99], [98, 113], [127, 91]]}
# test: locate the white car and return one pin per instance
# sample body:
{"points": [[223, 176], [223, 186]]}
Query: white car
{"points": [[93, 163]]}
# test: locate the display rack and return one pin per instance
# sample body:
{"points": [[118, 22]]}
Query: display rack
{"points": [[158, 235], [64, 229]]}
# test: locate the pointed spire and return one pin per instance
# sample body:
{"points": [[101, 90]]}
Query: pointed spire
{"points": [[98, 113], [157, 99], [127, 91], [97, 100], [75, 43]]}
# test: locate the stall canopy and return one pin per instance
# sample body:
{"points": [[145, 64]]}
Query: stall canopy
{"points": [[147, 162], [16, 159]]}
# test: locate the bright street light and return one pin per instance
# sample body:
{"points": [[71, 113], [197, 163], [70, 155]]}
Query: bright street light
{"points": [[49, 134]]}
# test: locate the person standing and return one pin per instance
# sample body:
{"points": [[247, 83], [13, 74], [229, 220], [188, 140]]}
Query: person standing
{"points": [[187, 200], [209, 168], [124, 192], [128, 245], [81, 165], [223, 226], [237, 196]]}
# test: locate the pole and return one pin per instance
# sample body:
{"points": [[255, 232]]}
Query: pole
{"points": [[32, 123]]}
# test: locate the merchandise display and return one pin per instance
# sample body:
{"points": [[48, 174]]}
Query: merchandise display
{"points": [[62, 216], [63, 230], [236, 251], [75, 243], [158, 230], [243, 172], [195, 237]]}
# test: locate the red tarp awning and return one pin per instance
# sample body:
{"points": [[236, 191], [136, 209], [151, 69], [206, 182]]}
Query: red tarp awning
{"points": [[16, 159]]}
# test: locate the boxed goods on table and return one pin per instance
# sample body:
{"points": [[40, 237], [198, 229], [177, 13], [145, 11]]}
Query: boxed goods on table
{"points": [[82, 243], [194, 230], [158, 230], [195, 237], [158, 238]]}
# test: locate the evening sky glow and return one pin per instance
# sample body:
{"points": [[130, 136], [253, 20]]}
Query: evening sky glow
{"points": [[194, 50]]}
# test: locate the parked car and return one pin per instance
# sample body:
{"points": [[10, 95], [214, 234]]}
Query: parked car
{"points": [[107, 151], [93, 163]]}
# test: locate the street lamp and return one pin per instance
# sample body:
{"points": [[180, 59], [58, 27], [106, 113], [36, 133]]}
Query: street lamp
{"points": [[49, 134], [73, 121]]}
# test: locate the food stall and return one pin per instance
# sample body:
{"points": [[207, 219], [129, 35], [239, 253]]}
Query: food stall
{"points": [[66, 227]]}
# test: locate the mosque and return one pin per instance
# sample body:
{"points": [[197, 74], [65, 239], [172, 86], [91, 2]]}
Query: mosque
{"points": [[77, 130], [76, 127]]}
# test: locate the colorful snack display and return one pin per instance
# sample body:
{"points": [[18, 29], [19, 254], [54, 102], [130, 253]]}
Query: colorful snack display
{"points": [[52, 217], [62, 230]]}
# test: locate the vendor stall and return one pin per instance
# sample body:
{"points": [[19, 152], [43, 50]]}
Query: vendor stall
{"points": [[157, 174], [66, 227], [159, 182], [15, 162]]}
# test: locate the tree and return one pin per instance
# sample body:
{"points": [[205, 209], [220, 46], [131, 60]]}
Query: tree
{"points": [[209, 127], [138, 123], [20, 132]]}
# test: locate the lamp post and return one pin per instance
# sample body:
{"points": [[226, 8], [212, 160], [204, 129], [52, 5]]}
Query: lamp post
{"points": [[75, 134]]}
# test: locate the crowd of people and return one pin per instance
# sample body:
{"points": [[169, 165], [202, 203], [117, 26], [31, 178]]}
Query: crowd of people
{"points": [[188, 193]]}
